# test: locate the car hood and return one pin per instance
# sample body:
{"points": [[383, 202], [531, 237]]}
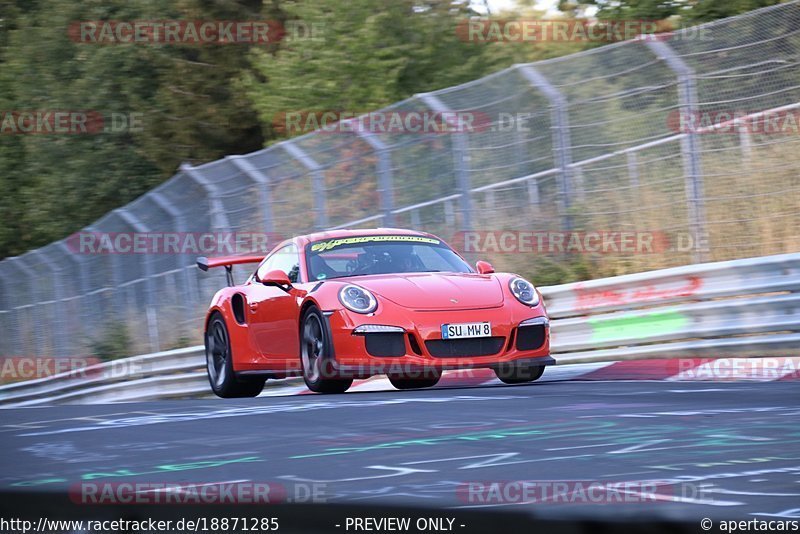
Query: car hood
{"points": [[436, 291]]}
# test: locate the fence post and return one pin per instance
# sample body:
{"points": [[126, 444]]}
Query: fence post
{"points": [[7, 309], [690, 146], [562, 144], [532, 185], [745, 141], [147, 273], [385, 179], [490, 201], [415, 220], [219, 219], [158, 198], [29, 275], [264, 188], [107, 308], [460, 160], [533, 191], [57, 280], [84, 275], [633, 169], [317, 181], [83, 285], [578, 183]]}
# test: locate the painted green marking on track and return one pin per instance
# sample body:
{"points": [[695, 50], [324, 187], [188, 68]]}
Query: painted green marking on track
{"points": [[37, 482], [207, 464], [637, 326], [537, 432], [191, 466]]}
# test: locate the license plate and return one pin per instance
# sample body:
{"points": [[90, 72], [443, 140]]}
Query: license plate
{"points": [[465, 330]]}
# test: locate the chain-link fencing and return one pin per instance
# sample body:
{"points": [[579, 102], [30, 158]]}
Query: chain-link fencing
{"points": [[643, 154]]}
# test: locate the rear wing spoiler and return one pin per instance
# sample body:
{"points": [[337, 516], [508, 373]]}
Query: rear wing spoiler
{"points": [[204, 264]]}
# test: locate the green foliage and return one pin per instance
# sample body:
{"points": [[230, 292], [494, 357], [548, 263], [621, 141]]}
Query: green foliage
{"points": [[182, 342], [690, 12], [115, 343], [200, 103], [55, 184], [547, 272], [364, 54], [707, 10]]}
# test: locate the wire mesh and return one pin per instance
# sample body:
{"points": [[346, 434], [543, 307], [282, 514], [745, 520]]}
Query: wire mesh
{"points": [[592, 142]]}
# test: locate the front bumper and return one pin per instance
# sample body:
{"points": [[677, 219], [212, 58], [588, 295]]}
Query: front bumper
{"points": [[520, 336]]}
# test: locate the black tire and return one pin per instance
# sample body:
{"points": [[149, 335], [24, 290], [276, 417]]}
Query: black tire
{"points": [[519, 374], [219, 364], [404, 382], [315, 355]]}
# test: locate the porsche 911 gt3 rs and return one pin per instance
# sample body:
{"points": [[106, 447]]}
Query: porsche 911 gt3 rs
{"points": [[348, 304]]}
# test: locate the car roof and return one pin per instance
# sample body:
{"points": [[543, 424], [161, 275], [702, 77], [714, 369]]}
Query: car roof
{"points": [[337, 234]]}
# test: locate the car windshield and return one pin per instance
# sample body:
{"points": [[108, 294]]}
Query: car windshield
{"points": [[381, 254]]}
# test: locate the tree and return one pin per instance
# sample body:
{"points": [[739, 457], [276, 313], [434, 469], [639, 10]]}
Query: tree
{"points": [[366, 54], [690, 12], [182, 97]]}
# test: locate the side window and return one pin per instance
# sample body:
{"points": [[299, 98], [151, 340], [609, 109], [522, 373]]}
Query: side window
{"points": [[286, 260], [265, 267]]}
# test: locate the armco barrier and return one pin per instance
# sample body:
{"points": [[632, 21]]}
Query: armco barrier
{"points": [[740, 308], [699, 147]]}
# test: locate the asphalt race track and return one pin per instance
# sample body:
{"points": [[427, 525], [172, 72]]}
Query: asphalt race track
{"points": [[712, 449]]}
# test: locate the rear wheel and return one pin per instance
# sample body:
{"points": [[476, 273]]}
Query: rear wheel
{"points": [[219, 364], [519, 374], [404, 382], [315, 356]]}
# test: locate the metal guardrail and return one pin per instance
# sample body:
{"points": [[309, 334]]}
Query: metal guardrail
{"points": [[740, 308], [118, 376], [697, 144]]}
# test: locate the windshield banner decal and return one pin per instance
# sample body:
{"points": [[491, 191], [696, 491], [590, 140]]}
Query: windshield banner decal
{"points": [[322, 246]]}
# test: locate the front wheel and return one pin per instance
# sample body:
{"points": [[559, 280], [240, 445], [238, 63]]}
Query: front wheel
{"points": [[219, 364], [315, 351], [518, 374]]}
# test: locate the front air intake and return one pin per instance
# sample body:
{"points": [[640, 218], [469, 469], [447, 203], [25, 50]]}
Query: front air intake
{"points": [[454, 348], [386, 344], [531, 337]]}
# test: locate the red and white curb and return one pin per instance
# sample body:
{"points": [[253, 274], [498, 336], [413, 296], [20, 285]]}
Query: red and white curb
{"points": [[678, 370]]}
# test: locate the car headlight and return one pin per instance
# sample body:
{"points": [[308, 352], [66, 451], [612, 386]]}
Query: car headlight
{"points": [[357, 299], [524, 291]]}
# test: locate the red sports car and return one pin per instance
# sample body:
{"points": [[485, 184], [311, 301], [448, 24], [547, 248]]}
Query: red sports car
{"points": [[341, 305]]}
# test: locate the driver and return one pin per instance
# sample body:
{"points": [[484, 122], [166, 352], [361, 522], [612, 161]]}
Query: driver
{"points": [[387, 259]]}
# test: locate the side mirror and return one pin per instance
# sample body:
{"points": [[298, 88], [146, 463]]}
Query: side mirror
{"points": [[484, 267], [277, 278]]}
